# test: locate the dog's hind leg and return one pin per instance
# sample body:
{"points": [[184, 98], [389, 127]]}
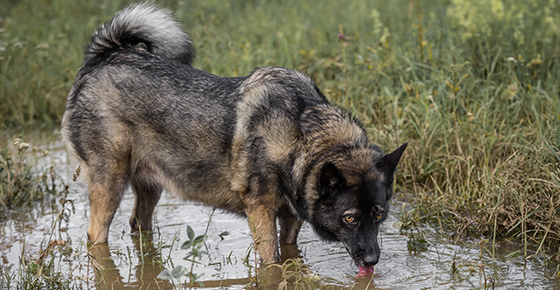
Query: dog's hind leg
{"points": [[148, 192], [105, 192]]}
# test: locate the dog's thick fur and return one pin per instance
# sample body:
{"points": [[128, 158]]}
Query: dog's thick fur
{"points": [[266, 146]]}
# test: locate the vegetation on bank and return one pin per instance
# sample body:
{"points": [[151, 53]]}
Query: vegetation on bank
{"points": [[21, 184], [473, 86]]}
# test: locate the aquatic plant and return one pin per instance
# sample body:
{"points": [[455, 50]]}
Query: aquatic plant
{"points": [[295, 275], [193, 245]]}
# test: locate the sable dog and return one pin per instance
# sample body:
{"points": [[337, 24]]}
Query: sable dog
{"points": [[265, 146]]}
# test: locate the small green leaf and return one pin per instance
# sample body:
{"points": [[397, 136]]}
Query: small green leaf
{"points": [[34, 267], [190, 233], [165, 275], [186, 245], [178, 272], [199, 240]]}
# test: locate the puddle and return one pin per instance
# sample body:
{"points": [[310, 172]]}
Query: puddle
{"points": [[130, 263]]}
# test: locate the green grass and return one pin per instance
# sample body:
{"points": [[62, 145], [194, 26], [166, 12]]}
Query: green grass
{"points": [[21, 182], [473, 86]]}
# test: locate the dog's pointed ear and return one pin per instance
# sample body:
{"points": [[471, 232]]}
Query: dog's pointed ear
{"points": [[330, 181], [331, 177], [388, 163]]}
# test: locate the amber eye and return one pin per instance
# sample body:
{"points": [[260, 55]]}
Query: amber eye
{"points": [[379, 216], [350, 219]]}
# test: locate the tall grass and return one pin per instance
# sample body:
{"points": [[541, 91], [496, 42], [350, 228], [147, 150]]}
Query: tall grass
{"points": [[473, 86]]}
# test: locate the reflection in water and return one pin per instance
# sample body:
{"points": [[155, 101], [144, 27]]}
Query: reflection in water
{"points": [[108, 276], [288, 251], [149, 265]]}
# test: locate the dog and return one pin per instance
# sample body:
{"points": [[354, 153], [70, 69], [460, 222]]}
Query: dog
{"points": [[267, 146]]}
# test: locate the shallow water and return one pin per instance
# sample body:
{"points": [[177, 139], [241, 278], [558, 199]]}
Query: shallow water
{"points": [[132, 263]]}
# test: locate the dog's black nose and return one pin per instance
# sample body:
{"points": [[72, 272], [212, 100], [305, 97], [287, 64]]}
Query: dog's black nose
{"points": [[371, 260]]}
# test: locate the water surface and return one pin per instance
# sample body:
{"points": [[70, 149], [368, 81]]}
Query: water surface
{"points": [[132, 262]]}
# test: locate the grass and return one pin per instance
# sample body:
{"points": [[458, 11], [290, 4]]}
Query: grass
{"points": [[473, 86], [21, 183]]}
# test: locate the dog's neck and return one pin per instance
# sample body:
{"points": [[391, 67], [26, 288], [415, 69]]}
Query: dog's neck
{"points": [[322, 134]]}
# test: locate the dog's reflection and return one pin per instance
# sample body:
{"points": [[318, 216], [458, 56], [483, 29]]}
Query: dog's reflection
{"points": [[143, 276], [148, 266]]}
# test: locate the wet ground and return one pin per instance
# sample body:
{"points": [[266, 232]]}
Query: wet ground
{"points": [[430, 260]]}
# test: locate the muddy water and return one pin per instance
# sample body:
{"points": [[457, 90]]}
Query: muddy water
{"points": [[131, 262]]}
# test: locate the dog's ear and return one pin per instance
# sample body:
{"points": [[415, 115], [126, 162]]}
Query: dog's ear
{"points": [[388, 165], [330, 181]]}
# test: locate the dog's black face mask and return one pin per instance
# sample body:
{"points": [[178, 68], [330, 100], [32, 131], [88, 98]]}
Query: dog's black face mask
{"points": [[352, 213]]}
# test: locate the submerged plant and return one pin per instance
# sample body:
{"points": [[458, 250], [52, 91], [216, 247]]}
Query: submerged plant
{"points": [[194, 245]]}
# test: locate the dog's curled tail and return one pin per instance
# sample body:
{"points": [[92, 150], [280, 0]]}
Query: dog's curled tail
{"points": [[143, 23]]}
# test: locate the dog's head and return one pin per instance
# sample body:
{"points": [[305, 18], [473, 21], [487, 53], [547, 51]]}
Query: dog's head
{"points": [[354, 189]]}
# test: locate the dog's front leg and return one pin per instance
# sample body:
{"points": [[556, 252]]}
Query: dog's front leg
{"points": [[262, 221]]}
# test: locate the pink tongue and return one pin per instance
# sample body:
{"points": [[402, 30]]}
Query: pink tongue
{"points": [[364, 271]]}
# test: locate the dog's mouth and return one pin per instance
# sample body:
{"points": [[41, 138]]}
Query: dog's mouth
{"points": [[363, 270]]}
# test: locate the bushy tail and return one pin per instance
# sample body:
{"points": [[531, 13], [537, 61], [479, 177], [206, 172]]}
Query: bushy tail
{"points": [[143, 23]]}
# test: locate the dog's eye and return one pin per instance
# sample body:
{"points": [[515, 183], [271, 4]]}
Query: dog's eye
{"points": [[350, 219], [379, 216]]}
